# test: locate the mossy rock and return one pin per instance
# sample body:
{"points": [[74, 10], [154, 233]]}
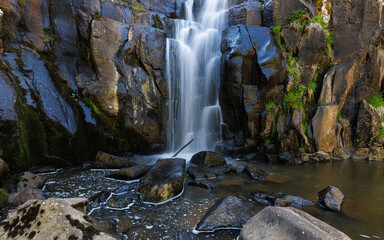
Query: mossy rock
{"points": [[3, 198]]}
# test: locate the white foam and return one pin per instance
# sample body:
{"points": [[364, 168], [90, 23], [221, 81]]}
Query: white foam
{"points": [[194, 231]]}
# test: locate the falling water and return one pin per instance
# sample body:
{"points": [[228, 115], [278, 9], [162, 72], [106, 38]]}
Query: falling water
{"points": [[193, 72]]}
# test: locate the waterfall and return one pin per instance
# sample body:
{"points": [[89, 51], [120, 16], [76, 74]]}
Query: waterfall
{"points": [[193, 73]]}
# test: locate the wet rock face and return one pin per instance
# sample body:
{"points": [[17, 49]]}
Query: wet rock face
{"points": [[131, 173], [368, 125], [104, 160], [287, 223], [208, 159], [324, 128], [53, 218], [281, 200], [229, 212], [331, 198], [247, 13], [164, 181]]}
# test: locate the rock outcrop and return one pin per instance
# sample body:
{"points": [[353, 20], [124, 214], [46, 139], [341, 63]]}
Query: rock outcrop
{"points": [[57, 218]]}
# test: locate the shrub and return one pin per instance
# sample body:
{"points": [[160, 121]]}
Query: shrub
{"points": [[376, 101], [293, 99], [3, 198], [293, 67], [296, 16], [312, 86]]}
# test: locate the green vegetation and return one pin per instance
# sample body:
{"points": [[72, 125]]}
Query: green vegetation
{"points": [[377, 100], [276, 30], [269, 105], [22, 2], [138, 5], [327, 32], [299, 17], [97, 16], [49, 35], [312, 86], [262, 7], [293, 99], [3, 198], [293, 67], [6, 32]]}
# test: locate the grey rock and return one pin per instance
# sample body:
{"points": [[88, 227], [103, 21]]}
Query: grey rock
{"points": [[331, 198], [207, 159], [131, 173], [288, 223]]}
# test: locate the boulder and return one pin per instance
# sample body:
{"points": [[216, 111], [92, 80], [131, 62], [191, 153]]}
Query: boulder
{"points": [[342, 153], [287, 223], [105, 160], [247, 13], [206, 159], [228, 212], [312, 45], [30, 180], [281, 200], [324, 128], [4, 169], [164, 181], [24, 195], [131, 173], [331, 198], [57, 219], [255, 173], [368, 125]]}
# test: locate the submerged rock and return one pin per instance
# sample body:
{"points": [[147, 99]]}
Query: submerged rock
{"points": [[331, 198], [50, 219], [105, 160], [281, 200], [255, 173], [229, 212], [200, 184], [131, 173], [164, 181], [275, 223], [208, 159], [120, 200]]}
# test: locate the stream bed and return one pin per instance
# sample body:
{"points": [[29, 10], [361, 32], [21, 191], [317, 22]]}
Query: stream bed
{"points": [[361, 182]]}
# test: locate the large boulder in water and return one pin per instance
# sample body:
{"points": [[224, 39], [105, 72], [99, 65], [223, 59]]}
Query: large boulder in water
{"points": [[229, 212], [105, 160], [131, 173], [51, 219], [331, 198], [206, 159], [164, 181], [289, 223]]}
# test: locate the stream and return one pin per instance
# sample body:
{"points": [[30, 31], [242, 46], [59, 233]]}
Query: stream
{"points": [[361, 182]]}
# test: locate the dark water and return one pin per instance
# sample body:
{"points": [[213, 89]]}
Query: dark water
{"points": [[361, 182]]}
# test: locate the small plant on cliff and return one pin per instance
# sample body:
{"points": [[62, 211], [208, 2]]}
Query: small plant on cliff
{"points": [[293, 99], [138, 5], [276, 30], [269, 105], [376, 101], [3, 198], [293, 67], [299, 18]]}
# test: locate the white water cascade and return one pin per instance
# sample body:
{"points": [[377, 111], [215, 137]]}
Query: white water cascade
{"points": [[193, 72]]}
